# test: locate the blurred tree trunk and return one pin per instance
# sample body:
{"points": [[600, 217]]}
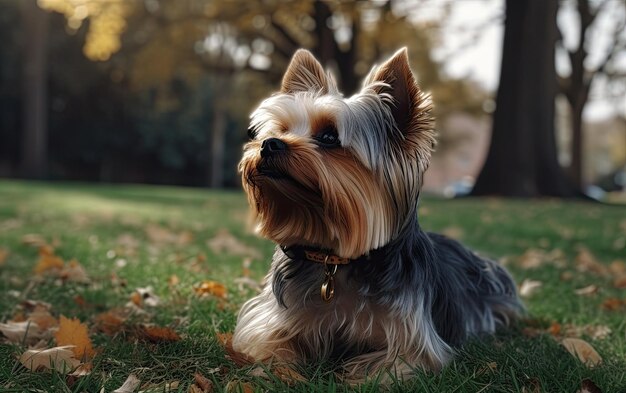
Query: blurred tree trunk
{"points": [[577, 85], [522, 159], [34, 90], [328, 51]]}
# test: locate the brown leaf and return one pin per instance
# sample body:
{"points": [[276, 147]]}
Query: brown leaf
{"points": [[239, 387], [586, 291], [48, 261], [620, 282], [211, 288], [454, 232], [555, 329], [587, 386], [612, 304], [129, 386], [60, 359], [173, 280], [157, 334], [531, 259], [4, 253], [225, 242], [34, 240], [240, 359], [288, 375], [582, 350], [74, 272], [73, 332], [42, 317], [110, 322], [203, 384], [586, 262]]}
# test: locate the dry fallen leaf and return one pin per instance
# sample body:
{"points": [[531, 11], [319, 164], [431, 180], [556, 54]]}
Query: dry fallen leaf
{"points": [[582, 350], [202, 384], [613, 304], [173, 280], [73, 332], [586, 291], [211, 288], [42, 317], [159, 334], [240, 359], [620, 282], [555, 329], [288, 375], [34, 240], [74, 272], [60, 359], [586, 262], [48, 261], [528, 287], [587, 386], [129, 386], [145, 297], [225, 242], [110, 322], [4, 253], [26, 332], [239, 387]]}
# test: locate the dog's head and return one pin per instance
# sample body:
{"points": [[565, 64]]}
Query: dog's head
{"points": [[338, 173]]}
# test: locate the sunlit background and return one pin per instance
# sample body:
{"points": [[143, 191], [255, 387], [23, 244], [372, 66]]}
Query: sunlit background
{"points": [[159, 91]]}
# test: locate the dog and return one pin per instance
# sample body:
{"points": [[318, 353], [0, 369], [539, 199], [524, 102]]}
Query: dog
{"points": [[354, 280]]}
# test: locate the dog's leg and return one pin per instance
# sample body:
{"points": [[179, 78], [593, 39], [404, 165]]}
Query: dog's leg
{"points": [[261, 332], [410, 343]]}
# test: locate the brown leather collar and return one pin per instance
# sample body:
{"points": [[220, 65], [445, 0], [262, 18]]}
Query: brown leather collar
{"points": [[323, 256]]}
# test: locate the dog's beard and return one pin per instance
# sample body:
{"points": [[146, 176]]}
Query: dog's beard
{"points": [[324, 199]]}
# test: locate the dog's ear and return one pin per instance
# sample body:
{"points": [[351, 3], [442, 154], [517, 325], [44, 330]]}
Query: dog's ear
{"points": [[409, 105], [305, 73]]}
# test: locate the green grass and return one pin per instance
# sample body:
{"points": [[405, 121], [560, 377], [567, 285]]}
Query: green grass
{"points": [[106, 228]]}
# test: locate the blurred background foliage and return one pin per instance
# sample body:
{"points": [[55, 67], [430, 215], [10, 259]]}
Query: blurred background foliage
{"points": [[159, 91]]}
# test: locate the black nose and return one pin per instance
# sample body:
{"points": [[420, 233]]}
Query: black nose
{"points": [[272, 146]]}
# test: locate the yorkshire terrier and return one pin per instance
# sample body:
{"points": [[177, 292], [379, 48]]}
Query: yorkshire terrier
{"points": [[335, 183]]}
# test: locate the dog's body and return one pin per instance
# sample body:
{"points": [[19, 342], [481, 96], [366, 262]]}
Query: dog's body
{"points": [[335, 183]]}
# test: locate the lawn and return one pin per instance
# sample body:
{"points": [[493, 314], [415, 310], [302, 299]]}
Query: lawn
{"points": [[185, 260]]}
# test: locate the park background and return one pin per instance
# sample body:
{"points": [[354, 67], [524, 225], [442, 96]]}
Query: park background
{"points": [[124, 232], [160, 91]]}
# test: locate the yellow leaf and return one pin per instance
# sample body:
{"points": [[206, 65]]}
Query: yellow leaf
{"points": [[583, 351], [73, 332], [60, 359], [212, 288]]}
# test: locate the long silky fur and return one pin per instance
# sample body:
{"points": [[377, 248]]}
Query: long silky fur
{"points": [[407, 310]]}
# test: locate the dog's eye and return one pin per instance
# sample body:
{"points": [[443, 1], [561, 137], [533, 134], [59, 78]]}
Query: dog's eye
{"points": [[252, 133], [328, 137]]}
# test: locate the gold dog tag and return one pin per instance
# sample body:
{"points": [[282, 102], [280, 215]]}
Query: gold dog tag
{"points": [[328, 288]]}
